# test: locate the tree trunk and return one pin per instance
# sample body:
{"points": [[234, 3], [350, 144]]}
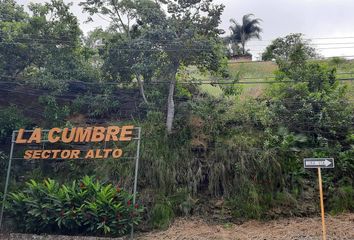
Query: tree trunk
{"points": [[170, 106], [170, 101], [141, 88], [243, 43]]}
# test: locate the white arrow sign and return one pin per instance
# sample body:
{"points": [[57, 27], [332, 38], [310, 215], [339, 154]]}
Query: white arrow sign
{"points": [[319, 163], [316, 163]]}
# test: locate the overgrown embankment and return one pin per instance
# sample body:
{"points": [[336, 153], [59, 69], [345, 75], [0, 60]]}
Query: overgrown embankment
{"points": [[229, 157]]}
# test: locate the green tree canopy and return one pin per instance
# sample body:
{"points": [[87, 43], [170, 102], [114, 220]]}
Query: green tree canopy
{"points": [[14, 56], [292, 47], [291, 54], [157, 37], [42, 48]]}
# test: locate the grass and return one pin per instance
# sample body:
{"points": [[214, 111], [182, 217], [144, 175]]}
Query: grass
{"points": [[194, 73], [214, 91], [264, 71], [257, 70], [253, 72], [345, 69]]}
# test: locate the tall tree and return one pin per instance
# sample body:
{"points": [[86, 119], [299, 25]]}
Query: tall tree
{"points": [[44, 47], [291, 54], [14, 57], [169, 33], [247, 30], [122, 14], [292, 47]]}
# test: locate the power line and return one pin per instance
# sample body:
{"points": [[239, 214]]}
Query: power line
{"points": [[345, 37], [236, 83], [133, 49], [312, 38], [28, 37], [70, 97], [134, 44], [261, 61], [305, 123], [351, 47], [216, 81], [155, 49], [315, 44], [321, 48], [266, 77]]}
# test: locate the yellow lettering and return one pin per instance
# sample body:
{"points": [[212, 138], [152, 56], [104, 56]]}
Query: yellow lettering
{"points": [[19, 138], [107, 152], [51, 137], [65, 154], [83, 135], [90, 154], [36, 136], [36, 154], [117, 153], [112, 133], [126, 134], [65, 138], [28, 154], [98, 134], [46, 154], [75, 154], [55, 153], [98, 151]]}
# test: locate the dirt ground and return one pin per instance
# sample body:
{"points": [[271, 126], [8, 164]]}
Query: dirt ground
{"points": [[338, 228]]}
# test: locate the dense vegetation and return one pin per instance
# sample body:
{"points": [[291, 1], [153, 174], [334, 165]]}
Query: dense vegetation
{"points": [[83, 207], [242, 150]]}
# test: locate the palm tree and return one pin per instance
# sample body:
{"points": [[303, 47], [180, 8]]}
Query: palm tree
{"points": [[249, 29]]}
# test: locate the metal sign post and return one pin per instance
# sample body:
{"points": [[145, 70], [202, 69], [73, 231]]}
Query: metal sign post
{"points": [[320, 163], [324, 235], [7, 177], [136, 175]]}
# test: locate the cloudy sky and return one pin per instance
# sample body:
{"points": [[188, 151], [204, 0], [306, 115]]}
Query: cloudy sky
{"points": [[329, 23]]}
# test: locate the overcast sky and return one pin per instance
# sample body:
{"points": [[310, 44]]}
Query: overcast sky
{"points": [[332, 19]]}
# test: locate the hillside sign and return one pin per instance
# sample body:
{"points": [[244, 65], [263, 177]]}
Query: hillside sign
{"points": [[75, 135], [60, 137]]}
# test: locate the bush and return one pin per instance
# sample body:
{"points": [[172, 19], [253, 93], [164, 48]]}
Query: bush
{"points": [[246, 204], [87, 207], [336, 61], [10, 119], [342, 200], [162, 215], [54, 114], [3, 165], [98, 105]]}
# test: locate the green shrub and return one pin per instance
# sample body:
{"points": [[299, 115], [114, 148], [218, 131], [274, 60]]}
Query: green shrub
{"points": [[337, 61], [3, 166], [98, 105], [86, 207], [342, 200], [54, 113], [3, 162], [162, 215], [246, 204], [10, 119], [182, 202]]}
